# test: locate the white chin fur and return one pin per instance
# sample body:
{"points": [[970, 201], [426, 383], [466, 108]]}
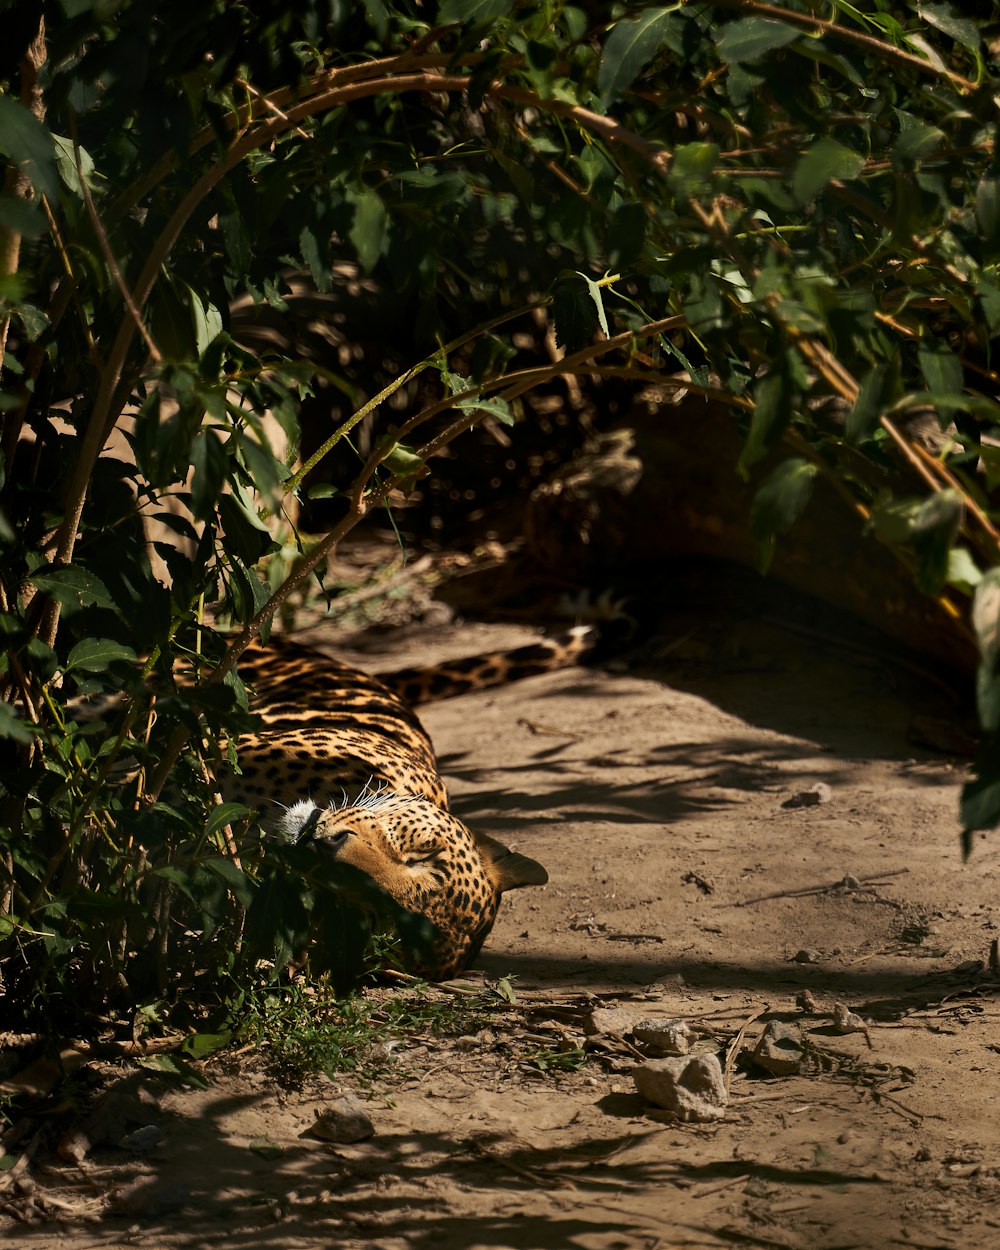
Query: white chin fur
{"points": [[292, 820]]}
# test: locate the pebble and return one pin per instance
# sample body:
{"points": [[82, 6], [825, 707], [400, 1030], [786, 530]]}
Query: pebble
{"points": [[142, 1140], [342, 1121], [779, 1049]]}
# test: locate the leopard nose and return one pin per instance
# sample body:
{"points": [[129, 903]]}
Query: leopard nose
{"points": [[332, 843]]}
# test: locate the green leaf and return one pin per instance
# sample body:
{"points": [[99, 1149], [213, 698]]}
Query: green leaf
{"points": [[751, 37], [402, 462], [980, 806], [823, 162], [988, 207], [370, 228], [773, 409], [244, 533], [472, 12], [175, 1066], [93, 655], [928, 527], [574, 313], [29, 145], [224, 815], [12, 726], [867, 408], [941, 368], [961, 29], [277, 923], [318, 268], [66, 164], [206, 319], [73, 587], [629, 48], [209, 464], [201, 1045], [494, 406], [986, 617], [505, 990], [782, 498], [778, 503], [22, 217], [917, 141], [323, 490], [963, 570], [235, 879], [988, 698], [692, 168]]}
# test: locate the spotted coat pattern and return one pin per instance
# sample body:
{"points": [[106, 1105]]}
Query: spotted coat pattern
{"points": [[343, 761]]}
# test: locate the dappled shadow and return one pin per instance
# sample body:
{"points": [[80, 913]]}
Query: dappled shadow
{"points": [[578, 786], [211, 1185], [879, 994]]}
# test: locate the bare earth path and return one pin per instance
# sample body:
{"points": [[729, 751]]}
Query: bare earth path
{"points": [[655, 796]]}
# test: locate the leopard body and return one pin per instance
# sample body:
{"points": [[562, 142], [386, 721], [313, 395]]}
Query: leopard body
{"points": [[343, 763]]}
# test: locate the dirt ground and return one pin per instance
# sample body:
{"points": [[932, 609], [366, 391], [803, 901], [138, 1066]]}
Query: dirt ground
{"points": [[682, 884]]}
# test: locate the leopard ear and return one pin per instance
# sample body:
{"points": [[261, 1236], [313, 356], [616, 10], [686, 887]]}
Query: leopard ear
{"points": [[510, 869]]}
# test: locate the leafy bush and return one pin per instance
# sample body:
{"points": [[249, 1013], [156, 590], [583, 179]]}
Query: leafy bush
{"points": [[799, 215]]}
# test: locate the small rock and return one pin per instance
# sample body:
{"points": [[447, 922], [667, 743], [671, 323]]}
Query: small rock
{"points": [[617, 1020], [343, 1121], [669, 1037], [806, 1003], [667, 1034], [819, 793], [142, 1140], [673, 981], [779, 1049], [806, 956], [692, 1089], [847, 1021]]}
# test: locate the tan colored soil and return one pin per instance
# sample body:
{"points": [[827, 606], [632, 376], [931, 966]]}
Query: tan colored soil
{"points": [[655, 796]]}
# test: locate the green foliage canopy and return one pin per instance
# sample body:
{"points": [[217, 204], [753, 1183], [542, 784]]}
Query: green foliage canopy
{"points": [[793, 210]]}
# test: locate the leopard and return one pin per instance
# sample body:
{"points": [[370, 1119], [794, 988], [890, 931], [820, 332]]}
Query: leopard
{"points": [[342, 764]]}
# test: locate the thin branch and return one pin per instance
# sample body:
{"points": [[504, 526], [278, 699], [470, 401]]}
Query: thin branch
{"points": [[270, 105], [110, 257], [886, 50]]}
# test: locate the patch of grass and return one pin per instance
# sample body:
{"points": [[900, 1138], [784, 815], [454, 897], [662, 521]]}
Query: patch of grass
{"points": [[306, 1028]]}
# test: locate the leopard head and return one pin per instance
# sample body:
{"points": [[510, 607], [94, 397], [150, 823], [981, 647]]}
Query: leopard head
{"points": [[425, 859]]}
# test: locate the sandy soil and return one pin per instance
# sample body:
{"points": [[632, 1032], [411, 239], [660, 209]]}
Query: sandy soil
{"points": [[656, 794]]}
